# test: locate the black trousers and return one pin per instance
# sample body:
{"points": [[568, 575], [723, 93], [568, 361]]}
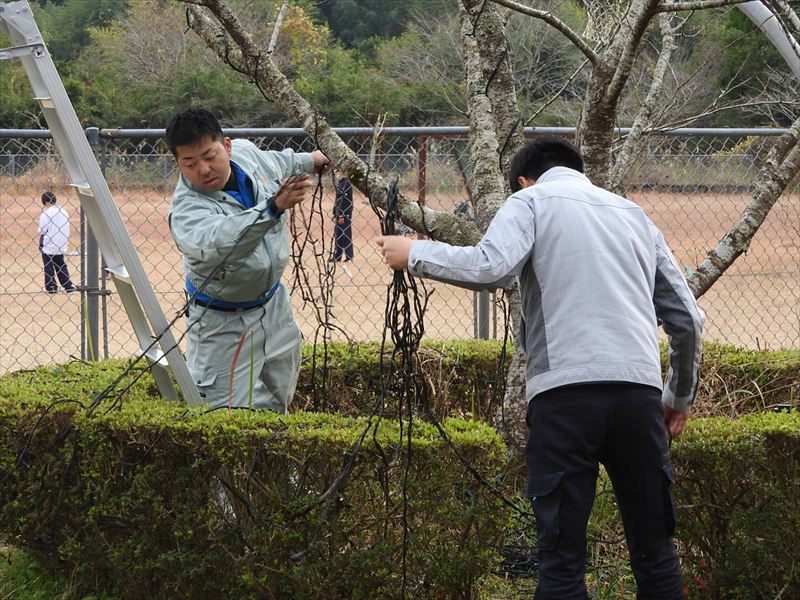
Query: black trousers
{"points": [[54, 266], [343, 240], [570, 431]]}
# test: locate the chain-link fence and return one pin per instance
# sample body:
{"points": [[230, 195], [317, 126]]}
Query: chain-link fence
{"points": [[694, 184]]}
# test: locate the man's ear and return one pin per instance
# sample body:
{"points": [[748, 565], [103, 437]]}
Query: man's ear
{"points": [[525, 182], [226, 141]]}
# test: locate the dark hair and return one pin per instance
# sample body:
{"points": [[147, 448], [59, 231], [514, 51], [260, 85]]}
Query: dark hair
{"points": [[542, 154], [190, 126], [48, 198]]}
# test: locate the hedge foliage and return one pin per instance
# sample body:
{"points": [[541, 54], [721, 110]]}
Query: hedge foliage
{"points": [[738, 499], [467, 379], [462, 378], [139, 498], [733, 382], [143, 499]]}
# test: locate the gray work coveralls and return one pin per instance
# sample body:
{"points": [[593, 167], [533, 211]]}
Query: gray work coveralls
{"points": [[248, 356]]}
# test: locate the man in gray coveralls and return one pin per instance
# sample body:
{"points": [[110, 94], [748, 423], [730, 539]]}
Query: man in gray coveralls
{"points": [[228, 221]]}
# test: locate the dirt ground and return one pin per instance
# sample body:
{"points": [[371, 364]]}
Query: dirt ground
{"points": [[756, 304]]}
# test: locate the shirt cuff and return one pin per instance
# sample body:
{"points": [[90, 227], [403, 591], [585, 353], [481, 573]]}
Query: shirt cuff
{"points": [[306, 162], [272, 210], [415, 261]]}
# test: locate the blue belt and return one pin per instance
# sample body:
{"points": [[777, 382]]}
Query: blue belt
{"points": [[224, 305]]}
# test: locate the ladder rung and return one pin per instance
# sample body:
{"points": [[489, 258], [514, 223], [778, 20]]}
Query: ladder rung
{"points": [[46, 102], [157, 356], [119, 273], [83, 188]]}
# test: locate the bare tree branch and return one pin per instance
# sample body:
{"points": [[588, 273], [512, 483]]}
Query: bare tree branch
{"points": [[683, 91], [790, 19], [685, 122], [555, 22], [781, 166], [789, 22], [699, 5], [631, 34], [237, 49], [273, 41], [555, 95], [644, 120]]}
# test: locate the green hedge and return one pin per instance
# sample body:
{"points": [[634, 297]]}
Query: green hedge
{"points": [[738, 498], [131, 498], [463, 376], [128, 499]]}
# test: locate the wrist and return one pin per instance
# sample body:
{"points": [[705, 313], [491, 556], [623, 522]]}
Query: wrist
{"points": [[273, 208]]}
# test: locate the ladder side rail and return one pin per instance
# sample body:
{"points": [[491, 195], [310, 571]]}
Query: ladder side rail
{"points": [[113, 238]]}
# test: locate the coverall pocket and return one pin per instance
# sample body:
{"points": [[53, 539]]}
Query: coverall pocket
{"points": [[205, 383], [669, 506], [544, 490]]}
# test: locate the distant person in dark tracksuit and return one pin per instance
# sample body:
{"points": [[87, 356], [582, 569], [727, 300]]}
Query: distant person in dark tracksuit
{"points": [[596, 280], [343, 218], [53, 241]]}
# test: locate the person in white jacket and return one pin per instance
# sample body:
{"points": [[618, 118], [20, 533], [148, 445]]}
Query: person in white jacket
{"points": [[228, 220], [53, 241], [596, 280]]}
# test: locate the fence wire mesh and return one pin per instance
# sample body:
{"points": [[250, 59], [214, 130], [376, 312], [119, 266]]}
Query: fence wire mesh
{"points": [[693, 185]]}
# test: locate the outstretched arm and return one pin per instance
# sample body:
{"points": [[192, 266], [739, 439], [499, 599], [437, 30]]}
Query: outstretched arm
{"points": [[490, 264]]}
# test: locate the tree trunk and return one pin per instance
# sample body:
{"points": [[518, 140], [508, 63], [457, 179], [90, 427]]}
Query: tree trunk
{"points": [[484, 148], [610, 75], [495, 135]]}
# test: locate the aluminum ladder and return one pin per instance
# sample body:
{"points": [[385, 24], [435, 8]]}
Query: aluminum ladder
{"points": [[120, 256]]}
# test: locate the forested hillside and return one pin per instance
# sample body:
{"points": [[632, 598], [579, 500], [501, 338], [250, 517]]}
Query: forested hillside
{"points": [[132, 63]]}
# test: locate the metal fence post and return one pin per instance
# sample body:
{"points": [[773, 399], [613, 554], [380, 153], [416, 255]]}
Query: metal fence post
{"points": [[104, 291], [483, 315], [422, 168], [91, 283]]}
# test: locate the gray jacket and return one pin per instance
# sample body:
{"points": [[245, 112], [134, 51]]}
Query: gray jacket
{"points": [[254, 244], [596, 278]]}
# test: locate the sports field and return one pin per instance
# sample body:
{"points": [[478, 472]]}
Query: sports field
{"points": [[756, 304]]}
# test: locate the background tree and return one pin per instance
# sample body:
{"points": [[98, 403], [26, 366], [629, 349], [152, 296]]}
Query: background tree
{"points": [[146, 67], [405, 64], [17, 106], [65, 27], [360, 22], [746, 65]]}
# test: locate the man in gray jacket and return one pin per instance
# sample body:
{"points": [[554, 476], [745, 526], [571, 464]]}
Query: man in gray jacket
{"points": [[596, 279], [228, 220]]}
